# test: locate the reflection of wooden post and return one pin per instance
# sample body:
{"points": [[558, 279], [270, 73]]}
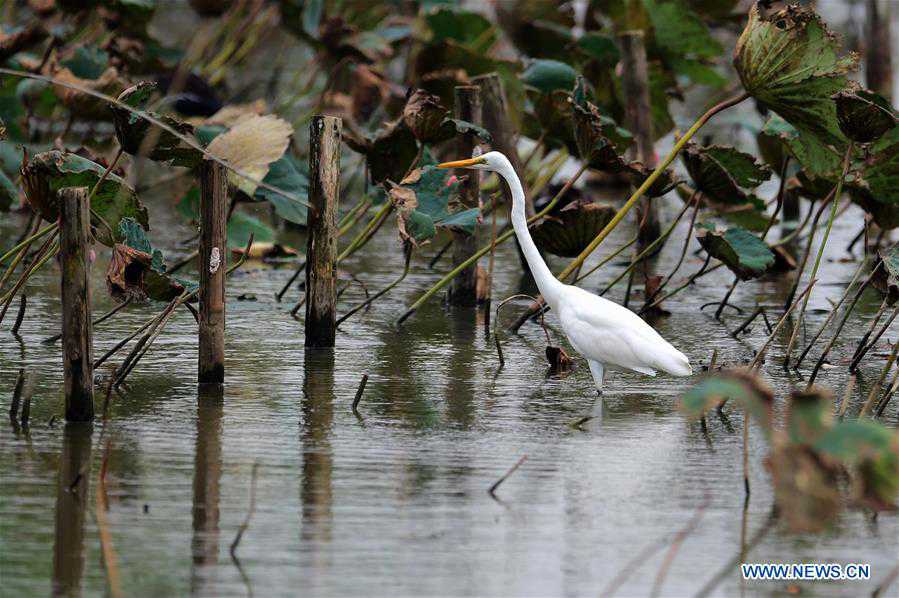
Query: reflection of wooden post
{"points": [[207, 477], [213, 263], [638, 117], [74, 216], [72, 496], [316, 488], [464, 290], [321, 248]]}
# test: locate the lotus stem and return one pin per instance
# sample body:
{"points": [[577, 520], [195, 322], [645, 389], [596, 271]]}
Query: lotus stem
{"points": [[649, 181], [834, 203]]}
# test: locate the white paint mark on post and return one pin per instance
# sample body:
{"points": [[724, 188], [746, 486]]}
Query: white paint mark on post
{"points": [[215, 260]]}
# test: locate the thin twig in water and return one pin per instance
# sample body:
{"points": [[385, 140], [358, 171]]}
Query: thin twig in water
{"points": [[760, 355], [875, 388], [497, 483], [676, 544], [850, 386], [729, 568], [252, 509], [359, 391], [892, 576], [100, 320]]}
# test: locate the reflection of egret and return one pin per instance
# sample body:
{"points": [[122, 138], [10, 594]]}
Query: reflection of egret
{"points": [[607, 334]]}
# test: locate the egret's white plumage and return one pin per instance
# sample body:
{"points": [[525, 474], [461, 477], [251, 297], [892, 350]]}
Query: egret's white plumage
{"points": [[608, 335]]}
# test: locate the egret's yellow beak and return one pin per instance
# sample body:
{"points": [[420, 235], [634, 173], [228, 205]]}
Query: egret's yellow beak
{"points": [[462, 163]]}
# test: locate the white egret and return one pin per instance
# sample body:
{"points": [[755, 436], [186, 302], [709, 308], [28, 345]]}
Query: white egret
{"points": [[608, 335]]}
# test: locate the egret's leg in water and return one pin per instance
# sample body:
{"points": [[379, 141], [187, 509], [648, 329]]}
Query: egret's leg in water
{"points": [[597, 370]]}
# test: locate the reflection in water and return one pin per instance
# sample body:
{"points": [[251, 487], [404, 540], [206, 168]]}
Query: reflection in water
{"points": [[72, 490], [207, 477], [315, 491], [460, 390]]}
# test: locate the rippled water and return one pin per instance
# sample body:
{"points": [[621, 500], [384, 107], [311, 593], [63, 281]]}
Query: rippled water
{"points": [[395, 502]]}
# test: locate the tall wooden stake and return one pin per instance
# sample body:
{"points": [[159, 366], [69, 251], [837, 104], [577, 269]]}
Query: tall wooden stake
{"points": [[213, 263], [77, 345], [464, 290], [495, 119], [635, 77], [879, 53], [321, 248]]}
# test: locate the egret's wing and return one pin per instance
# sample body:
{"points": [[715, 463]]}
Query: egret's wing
{"points": [[612, 334]]}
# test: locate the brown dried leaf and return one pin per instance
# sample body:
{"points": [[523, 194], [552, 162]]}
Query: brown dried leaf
{"points": [[251, 146]]}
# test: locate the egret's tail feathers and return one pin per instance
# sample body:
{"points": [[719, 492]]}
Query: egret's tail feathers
{"points": [[675, 363]]}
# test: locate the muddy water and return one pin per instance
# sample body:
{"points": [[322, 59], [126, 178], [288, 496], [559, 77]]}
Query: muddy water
{"points": [[395, 502]]}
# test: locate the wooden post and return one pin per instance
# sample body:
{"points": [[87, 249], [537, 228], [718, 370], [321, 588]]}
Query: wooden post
{"points": [[77, 344], [213, 263], [321, 247], [495, 119], [638, 117], [879, 53], [464, 287]]}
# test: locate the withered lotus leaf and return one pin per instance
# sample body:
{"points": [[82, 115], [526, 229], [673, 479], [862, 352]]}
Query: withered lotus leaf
{"points": [[863, 115], [137, 136], [790, 62], [130, 277], [567, 232], [424, 115]]}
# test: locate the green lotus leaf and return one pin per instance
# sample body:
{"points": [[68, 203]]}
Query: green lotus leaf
{"points": [[48, 172], [810, 415], [871, 452], [722, 172], [742, 387], [87, 62], [876, 185], [743, 253], [463, 26], [285, 173], [547, 76], [241, 226], [789, 62], [424, 202], [818, 159]]}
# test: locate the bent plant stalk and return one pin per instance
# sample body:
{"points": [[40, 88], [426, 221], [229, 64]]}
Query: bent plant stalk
{"points": [[864, 350], [649, 249], [833, 312], [380, 293], [836, 333], [834, 203]]}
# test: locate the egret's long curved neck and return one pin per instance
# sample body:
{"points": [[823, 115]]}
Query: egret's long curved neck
{"points": [[549, 286]]}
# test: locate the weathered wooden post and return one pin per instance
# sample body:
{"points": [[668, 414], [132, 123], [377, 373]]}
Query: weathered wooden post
{"points": [[495, 119], [321, 247], [464, 289], [638, 118], [77, 342], [213, 263]]}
